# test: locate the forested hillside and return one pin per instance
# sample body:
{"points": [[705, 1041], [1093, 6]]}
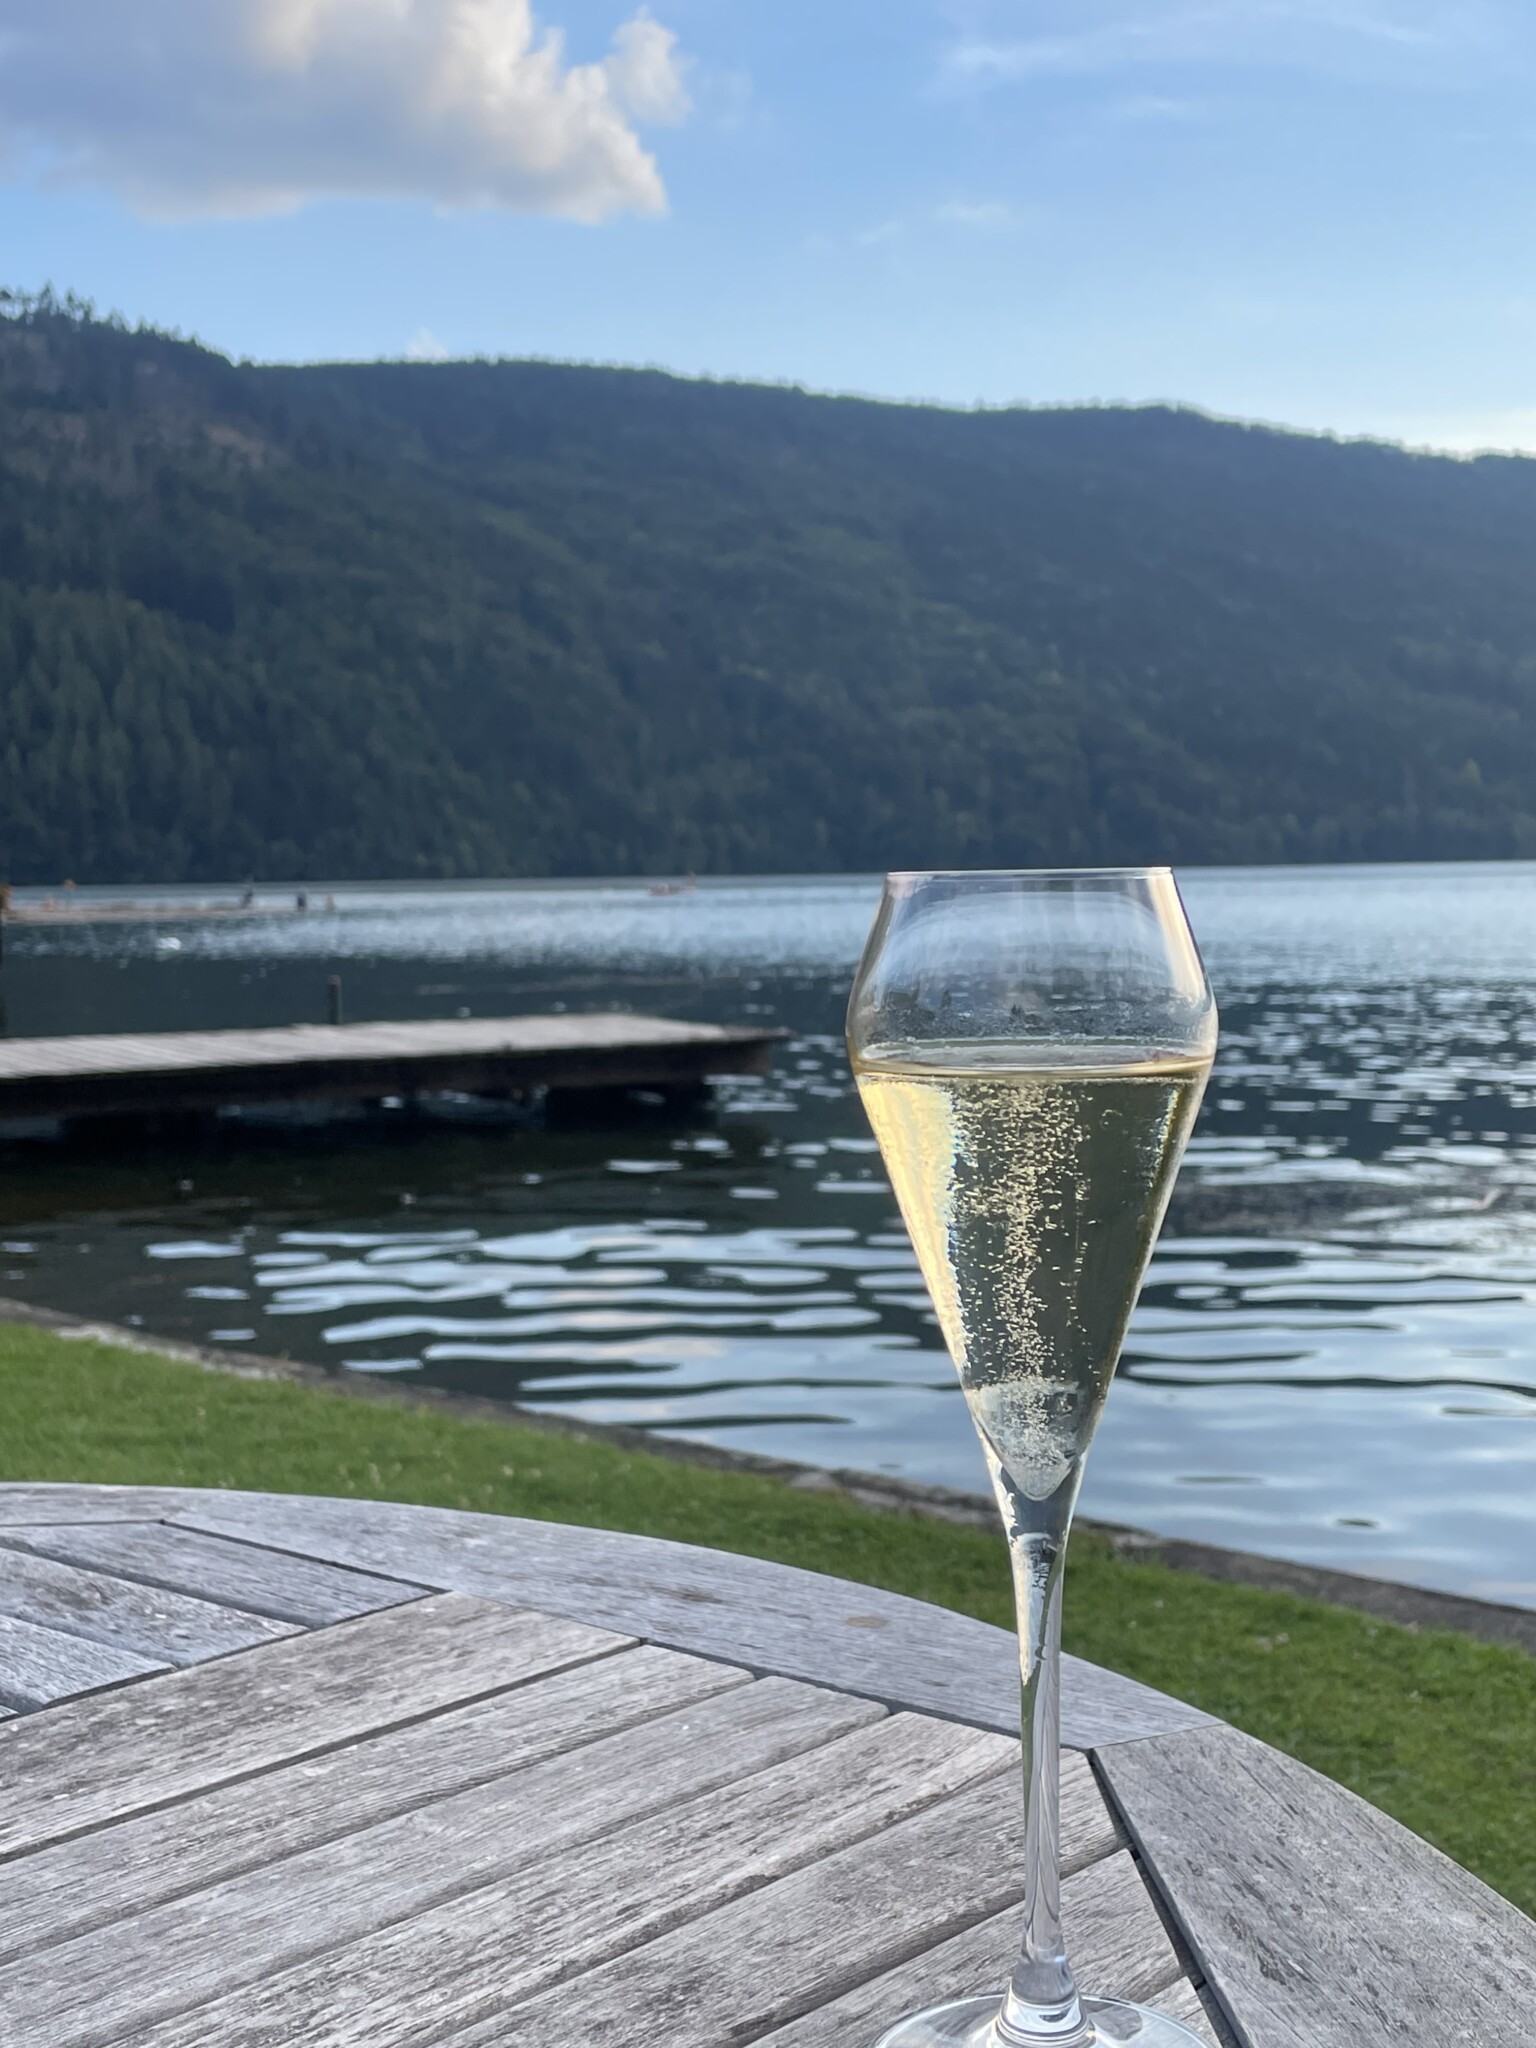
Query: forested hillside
{"points": [[493, 618]]}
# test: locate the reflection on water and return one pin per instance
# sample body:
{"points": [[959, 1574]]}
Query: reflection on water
{"points": [[1334, 1356]]}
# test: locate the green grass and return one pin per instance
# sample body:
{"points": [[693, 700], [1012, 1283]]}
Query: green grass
{"points": [[1437, 1729]]}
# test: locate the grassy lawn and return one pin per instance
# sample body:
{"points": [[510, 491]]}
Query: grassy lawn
{"points": [[1438, 1729]]}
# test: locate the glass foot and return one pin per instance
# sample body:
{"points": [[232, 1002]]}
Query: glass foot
{"points": [[967, 2023]]}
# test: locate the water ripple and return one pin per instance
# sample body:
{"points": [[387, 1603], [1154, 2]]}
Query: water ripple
{"points": [[1335, 1353]]}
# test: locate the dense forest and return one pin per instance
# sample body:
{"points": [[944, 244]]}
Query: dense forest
{"points": [[514, 617]]}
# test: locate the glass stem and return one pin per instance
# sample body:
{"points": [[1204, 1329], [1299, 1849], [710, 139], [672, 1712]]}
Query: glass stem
{"points": [[1041, 2004]]}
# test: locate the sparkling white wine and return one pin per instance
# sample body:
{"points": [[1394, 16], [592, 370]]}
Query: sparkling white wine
{"points": [[1033, 1180]]}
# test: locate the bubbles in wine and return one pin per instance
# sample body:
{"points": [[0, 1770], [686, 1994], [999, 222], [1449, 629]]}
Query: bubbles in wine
{"points": [[1032, 1185]]}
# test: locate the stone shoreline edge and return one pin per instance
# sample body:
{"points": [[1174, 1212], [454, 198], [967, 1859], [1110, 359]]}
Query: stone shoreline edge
{"points": [[1413, 1607]]}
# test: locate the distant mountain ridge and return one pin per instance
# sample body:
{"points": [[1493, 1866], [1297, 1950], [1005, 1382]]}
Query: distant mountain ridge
{"points": [[500, 618]]}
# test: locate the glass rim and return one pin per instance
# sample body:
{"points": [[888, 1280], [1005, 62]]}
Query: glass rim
{"points": [[1032, 874]]}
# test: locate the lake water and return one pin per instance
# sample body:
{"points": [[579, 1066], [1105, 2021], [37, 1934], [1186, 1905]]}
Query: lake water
{"points": [[1335, 1354]]}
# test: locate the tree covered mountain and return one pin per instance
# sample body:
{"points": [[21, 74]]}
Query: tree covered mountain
{"points": [[497, 618]]}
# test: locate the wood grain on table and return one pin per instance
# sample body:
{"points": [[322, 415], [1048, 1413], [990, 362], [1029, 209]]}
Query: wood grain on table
{"points": [[370, 1776], [365, 1811]]}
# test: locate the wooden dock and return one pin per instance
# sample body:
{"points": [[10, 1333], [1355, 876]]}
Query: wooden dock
{"points": [[53, 910], [190, 1072]]}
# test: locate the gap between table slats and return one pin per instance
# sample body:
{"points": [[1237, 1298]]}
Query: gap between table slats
{"points": [[744, 1610], [840, 1951], [233, 1573], [83, 1765], [453, 1964], [66, 1890], [147, 1621], [250, 1927]]}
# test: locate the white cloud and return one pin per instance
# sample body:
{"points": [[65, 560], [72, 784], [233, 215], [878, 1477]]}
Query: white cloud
{"points": [[1152, 106], [968, 216], [973, 213], [642, 71], [1341, 36], [424, 347], [188, 107]]}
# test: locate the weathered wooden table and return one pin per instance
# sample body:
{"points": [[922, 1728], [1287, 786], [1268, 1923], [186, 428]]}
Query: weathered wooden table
{"points": [[284, 1771]]}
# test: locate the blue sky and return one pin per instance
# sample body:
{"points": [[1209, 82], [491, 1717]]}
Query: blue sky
{"points": [[1319, 212]]}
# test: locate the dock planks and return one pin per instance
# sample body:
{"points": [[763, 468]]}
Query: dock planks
{"points": [[177, 1072]]}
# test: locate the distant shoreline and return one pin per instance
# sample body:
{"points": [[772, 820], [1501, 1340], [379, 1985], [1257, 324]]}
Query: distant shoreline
{"points": [[52, 912], [66, 901]]}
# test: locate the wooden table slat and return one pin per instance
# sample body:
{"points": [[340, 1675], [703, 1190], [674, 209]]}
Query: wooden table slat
{"points": [[39, 1666], [809, 1944], [164, 1960], [1115, 1938], [60, 1892], [259, 1580], [745, 1610], [99, 1760], [146, 1621], [737, 1972], [449, 1966], [40, 1504], [1319, 1918]]}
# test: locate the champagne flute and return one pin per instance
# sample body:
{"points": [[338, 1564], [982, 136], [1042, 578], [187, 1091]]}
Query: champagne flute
{"points": [[1031, 1049]]}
